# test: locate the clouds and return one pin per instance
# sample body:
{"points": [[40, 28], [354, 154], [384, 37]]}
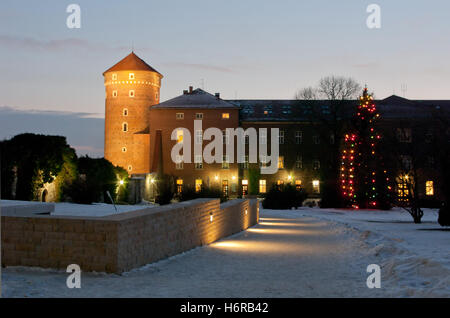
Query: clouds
{"points": [[84, 131]]}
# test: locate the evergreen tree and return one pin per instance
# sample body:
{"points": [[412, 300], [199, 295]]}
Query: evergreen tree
{"points": [[364, 181]]}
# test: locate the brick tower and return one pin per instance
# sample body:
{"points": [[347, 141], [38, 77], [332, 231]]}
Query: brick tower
{"points": [[131, 86]]}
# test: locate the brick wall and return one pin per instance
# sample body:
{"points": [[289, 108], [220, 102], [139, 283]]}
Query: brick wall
{"points": [[124, 241]]}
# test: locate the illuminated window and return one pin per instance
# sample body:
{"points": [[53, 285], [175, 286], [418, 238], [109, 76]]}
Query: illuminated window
{"points": [[316, 186], [199, 116], [179, 116], [131, 76], [281, 137], [124, 149], [179, 162], [198, 185], [179, 136], [429, 188], [245, 182], [131, 93], [125, 112], [299, 162], [124, 127], [244, 187], [280, 182], [280, 162], [114, 77], [298, 137], [225, 162], [262, 186], [225, 115], [114, 94], [179, 185], [198, 137], [298, 184], [198, 162]]}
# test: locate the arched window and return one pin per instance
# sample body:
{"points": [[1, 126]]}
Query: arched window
{"points": [[124, 127], [125, 112]]}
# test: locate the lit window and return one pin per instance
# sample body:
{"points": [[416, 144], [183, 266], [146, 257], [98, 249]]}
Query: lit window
{"points": [[179, 162], [262, 186], [156, 96], [131, 93], [298, 137], [179, 116], [179, 185], [199, 116], [124, 149], [280, 162], [114, 94], [179, 136], [124, 127], [299, 162], [198, 185], [225, 162], [245, 182], [280, 182], [281, 137], [316, 164], [114, 77], [429, 188], [298, 184], [125, 112], [198, 162], [225, 115], [316, 186], [131, 76], [198, 137]]}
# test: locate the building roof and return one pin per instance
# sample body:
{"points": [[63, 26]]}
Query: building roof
{"points": [[131, 62], [197, 98], [393, 107]]}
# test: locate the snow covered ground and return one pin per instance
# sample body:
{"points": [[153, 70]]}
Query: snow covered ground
{"points": [[96, 209], [298, 253]]}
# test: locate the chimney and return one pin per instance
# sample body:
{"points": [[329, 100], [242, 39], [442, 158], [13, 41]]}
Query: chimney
{"points": [[190, 89], [217, 95], [185, 92]]}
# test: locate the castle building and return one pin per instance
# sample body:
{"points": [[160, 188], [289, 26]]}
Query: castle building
{"points": [[138, 134]]}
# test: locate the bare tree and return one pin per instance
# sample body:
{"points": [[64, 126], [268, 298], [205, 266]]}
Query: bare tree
{"points": [[338, 88], [307, 93]]}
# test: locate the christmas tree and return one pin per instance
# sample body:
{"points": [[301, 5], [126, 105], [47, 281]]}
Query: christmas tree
{"points": [[363, 179]]}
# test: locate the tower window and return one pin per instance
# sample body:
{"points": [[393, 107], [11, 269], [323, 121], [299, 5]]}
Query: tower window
{"points": [[130, 168], [124, 127], [131, 93], [124, 149], [114, 93], [156, 96], [131, 76], [125, 112], [114, 77]]}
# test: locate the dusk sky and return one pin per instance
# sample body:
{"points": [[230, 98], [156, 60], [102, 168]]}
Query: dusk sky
{"points": [[245, 49]]}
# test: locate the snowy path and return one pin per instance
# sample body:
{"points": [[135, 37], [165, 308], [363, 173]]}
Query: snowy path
{"points": [[283, 256]]}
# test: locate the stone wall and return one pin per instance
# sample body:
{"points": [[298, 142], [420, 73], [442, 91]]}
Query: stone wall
{"points": [[123, 241]]}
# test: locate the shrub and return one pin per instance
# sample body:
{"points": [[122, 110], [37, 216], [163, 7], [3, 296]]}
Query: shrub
{"points": [[189, 193], [444, 215], [166, 190], [284, 197]]}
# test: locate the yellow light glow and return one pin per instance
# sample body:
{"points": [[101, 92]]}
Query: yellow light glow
{"points": [[121, 182], [216, 177]]}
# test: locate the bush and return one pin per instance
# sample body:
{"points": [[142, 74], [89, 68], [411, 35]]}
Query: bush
{"points": [[166, 190], [283, 197], [189, 193]]}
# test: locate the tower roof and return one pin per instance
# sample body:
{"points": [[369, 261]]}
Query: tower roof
{"points": [[131, 62]]}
